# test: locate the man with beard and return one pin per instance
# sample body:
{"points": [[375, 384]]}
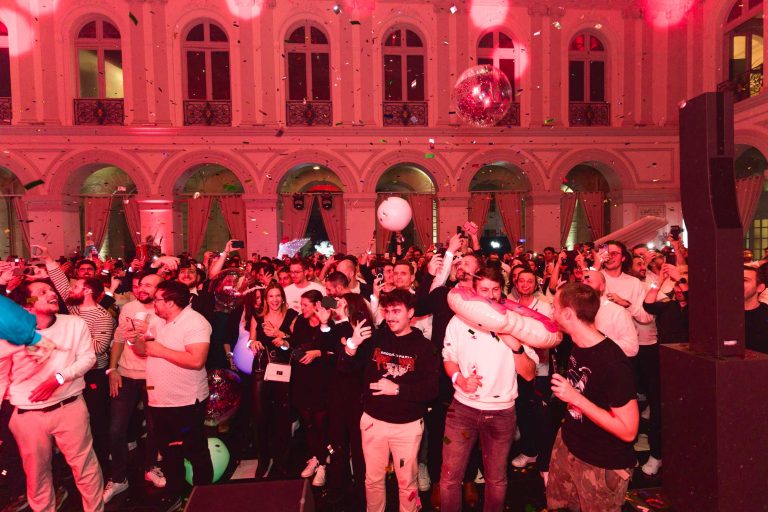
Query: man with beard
{"points": [[82, 299], [128, 385], [49, 409]]}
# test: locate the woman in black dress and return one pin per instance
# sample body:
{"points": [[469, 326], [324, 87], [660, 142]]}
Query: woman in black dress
{"points": [[310, 378], [271, 400]]}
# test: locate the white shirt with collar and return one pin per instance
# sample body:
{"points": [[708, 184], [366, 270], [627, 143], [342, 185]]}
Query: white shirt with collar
{"points": [[616, 322]]}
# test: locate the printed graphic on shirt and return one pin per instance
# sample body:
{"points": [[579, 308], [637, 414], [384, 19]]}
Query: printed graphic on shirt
{"points": [[396, 365], [578, 377]]}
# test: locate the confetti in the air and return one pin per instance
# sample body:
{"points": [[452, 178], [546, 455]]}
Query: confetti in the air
{"points": [[33, 184], [133, 17]]}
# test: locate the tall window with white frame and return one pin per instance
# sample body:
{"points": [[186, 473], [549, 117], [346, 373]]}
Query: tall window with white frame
{"points": [[5, 77], [99, 60], [586, 81], [404, 57], [744, 46], [207, 91], [308, 63], [497, 49]]}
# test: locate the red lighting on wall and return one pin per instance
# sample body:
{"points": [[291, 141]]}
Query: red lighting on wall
{"points": [[666, 13]]}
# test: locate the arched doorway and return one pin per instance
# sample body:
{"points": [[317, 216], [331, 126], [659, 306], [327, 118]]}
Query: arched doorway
{"points": [[591, 216], [312, 206], [414, 183], [12, 192], [106, 192], [751, 162], [208, 209], [499, 189]]}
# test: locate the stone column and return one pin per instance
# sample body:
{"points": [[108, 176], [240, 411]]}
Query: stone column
{"points": [[632, 17], [55, 223], [261, 221], [452, 211], [135, 55], [157, 219], [543, 221], [537, 12], [360, 220]]}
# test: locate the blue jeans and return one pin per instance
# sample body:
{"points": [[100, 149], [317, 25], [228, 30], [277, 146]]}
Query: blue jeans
{"points": [[496, 429]]}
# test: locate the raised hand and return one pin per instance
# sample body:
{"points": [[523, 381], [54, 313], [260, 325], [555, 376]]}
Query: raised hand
{"points": [[360, 333]]}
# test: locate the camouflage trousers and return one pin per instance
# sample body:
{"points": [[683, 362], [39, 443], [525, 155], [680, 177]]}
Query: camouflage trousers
{"points": [[580, 487]]}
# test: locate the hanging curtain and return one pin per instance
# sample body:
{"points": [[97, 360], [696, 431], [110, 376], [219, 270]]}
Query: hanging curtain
{"points": [[479, 203], [295, 221], [748, 191], [567, 207], [423, 217], [233, 209], [198, 211], [593, 206], [21, 218], [97, 211], [133, 219], [510, 205], [335, 225], [383, 236]]}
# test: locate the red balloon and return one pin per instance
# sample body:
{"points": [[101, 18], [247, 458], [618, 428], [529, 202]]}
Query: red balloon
{"points": [[483, 95]]}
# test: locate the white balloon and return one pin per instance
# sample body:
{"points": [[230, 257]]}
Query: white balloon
{"points": [[394, 214]]}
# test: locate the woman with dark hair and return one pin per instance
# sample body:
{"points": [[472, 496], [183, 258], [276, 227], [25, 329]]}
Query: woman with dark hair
{"points": [[346, 406], [271, 404], [310, 377]]}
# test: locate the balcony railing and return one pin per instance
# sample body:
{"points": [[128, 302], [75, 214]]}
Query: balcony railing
{"points": [[512, 118], [594, 113], [744, 85], [209, 113], [308, 113], [405, 113], [99, 111], [5, 111]]}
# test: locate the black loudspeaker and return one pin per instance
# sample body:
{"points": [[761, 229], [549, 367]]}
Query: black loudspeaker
{"points": [[714, 439], [277, 496]]}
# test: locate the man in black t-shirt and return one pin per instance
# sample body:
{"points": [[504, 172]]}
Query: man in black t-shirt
{"points": [[593, 458], [755, 312]]}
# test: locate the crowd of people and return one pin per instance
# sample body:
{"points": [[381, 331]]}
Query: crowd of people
{"points": [[364, 353]]}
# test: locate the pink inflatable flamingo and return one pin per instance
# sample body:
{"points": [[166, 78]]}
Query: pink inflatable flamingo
{"points": [[528, 326]]}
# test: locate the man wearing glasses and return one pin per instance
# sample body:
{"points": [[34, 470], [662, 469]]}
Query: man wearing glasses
{"points": [[299, 284], [176, 346], [620, 287]]}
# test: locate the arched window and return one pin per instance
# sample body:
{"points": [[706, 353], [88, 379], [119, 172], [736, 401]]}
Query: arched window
{"points": [[207, 95], [586, 81], [309, 65], [5, 77], [744, 44], [99, 61], [403, 66], [497, 49], [307, 55], [206, 60]]}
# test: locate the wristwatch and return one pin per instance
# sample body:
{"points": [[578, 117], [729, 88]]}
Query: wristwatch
{"points": [[519, 351], [59, 378]]}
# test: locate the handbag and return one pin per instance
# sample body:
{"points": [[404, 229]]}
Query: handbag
{"points": [[277, 372]]}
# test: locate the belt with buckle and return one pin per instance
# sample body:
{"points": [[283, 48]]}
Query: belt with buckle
{"points": [[50, 407]]}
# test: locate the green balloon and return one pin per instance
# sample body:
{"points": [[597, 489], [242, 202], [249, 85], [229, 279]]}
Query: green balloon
{"points": [[219, 458]]}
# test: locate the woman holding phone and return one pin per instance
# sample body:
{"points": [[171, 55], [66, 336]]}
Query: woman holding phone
{"points": [[271, 404]]}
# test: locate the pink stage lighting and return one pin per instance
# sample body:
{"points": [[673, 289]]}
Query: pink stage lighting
{"points": [[666, 13]]}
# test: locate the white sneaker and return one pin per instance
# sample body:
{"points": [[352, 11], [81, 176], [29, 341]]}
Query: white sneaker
{"points": [[424, 481], [523, 460], [112, 489], [312, 465], [156, 476], [319, 479], [651, 467]]}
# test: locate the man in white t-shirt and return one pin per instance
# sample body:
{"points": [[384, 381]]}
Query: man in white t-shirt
{"points": [[176, 345], [50, 410], [483, 368], [300, 284]]}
